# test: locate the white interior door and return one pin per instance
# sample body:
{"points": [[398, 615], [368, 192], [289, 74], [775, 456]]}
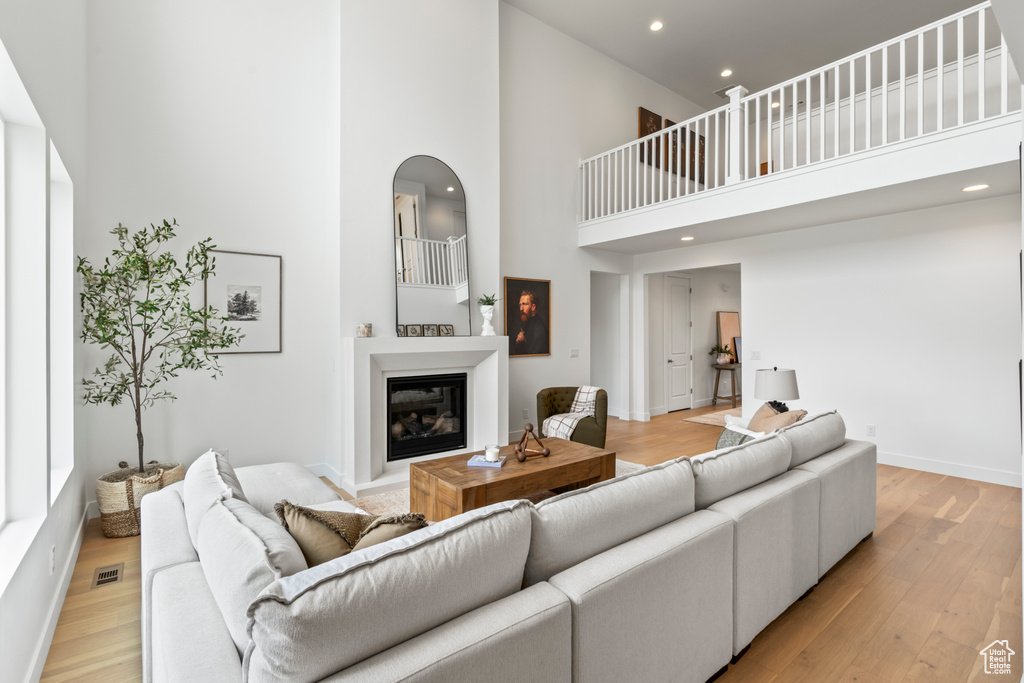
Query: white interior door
{"points": [[678, 349]]}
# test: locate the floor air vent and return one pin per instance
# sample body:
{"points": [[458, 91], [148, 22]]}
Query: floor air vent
{"points": [[106, 575]]}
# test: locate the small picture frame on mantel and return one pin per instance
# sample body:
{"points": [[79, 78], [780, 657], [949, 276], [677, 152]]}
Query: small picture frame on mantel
{"points": [[401, 330], [430, 330], [414, 330]]}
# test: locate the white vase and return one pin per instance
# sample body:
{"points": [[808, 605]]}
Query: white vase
{"points": [[487, 312], [723, 359]]}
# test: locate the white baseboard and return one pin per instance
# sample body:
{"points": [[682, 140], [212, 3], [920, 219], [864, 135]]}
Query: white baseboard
{"points": [[324, 470], [951, 469], [43, 648]]}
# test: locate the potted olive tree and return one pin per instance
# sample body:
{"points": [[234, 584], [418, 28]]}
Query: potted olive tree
{"points": [[137, 305]]}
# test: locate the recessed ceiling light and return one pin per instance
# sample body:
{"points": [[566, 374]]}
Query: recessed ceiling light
{"points": [[686, 239], [775, 105], [975, 188], [656, 26], [727, 73], [451, 189]]}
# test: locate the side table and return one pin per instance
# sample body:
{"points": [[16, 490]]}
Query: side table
{"points": [[731, 367]]}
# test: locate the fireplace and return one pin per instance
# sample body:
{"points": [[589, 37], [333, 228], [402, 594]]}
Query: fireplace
{"points": [[426, 414]]}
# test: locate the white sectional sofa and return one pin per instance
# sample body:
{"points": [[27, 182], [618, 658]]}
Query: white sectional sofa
{"points": [[662, 574]]}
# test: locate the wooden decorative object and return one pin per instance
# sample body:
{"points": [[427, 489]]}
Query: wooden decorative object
{"points": [[522, 452]]}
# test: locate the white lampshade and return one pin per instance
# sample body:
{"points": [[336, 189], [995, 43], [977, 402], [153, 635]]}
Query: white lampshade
{"points": [[776, 385]]}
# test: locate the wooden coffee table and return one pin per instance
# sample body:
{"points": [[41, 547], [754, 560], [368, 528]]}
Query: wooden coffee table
{"points": [[446, 487]]}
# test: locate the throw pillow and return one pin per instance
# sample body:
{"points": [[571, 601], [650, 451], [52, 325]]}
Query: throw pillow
{"points": [[767, 419], [732, 437], [386, 528], [322, 535]]}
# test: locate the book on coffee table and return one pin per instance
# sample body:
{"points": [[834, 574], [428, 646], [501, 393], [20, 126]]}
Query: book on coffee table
{"points": [[480, 460]]}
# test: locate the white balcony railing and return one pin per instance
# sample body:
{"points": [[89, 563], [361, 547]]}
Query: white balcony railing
{"points": [[949, 74], [432, 263]]}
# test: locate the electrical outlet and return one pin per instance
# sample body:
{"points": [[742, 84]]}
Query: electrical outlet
{"points": [[526, 413], [574, 353], [871, 430], [53, 559], [755, 355]]}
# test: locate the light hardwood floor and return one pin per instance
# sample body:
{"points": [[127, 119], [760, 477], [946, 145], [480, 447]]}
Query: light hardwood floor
{"points": [[939, 580]]}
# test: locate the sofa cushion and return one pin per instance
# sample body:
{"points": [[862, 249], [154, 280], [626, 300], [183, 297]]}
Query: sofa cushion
{"points": [[767, 419], [208, 480], [814, 436], [577, 525], [266, 485], [310, 625], [242, 552], [720, 474]]}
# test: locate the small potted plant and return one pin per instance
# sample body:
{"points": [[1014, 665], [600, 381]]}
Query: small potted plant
{"points": [[486, 303], [137, 305], [724, 354]]}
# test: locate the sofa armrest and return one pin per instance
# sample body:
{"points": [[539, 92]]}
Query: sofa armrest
{"points": [[190, 639], [165, 543], [524, 637]]}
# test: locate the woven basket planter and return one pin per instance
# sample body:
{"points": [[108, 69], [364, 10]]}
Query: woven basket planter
{"points": [[119, 494]]}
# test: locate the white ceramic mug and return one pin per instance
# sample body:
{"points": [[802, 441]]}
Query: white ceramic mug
{"points": [[364, 329], [491, 452]]}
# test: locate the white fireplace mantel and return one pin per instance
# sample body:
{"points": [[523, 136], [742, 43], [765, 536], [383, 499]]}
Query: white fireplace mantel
{"points": [[369, 362]]}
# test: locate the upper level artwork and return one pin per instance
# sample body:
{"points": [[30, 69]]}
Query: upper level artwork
{"points": [[891, 128]]}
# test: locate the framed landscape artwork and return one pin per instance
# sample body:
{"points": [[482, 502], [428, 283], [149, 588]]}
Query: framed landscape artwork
{"points": [[528, 316], [247, 289]]}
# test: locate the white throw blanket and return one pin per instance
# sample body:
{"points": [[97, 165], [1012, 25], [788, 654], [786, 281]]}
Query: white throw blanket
{"points": [[583, 405]]}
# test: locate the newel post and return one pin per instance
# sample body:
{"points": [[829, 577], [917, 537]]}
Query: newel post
{"points": [[737, 135]]}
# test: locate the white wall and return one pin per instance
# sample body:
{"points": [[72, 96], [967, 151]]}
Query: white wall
{"points": [[910, 322], [560, 102], [709, 296], [446, 107], [438, 218], [224, 116], [606, 349], [47, 43]]}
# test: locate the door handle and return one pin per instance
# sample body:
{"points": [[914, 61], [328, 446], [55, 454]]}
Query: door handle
{"points": [[671, 361]]}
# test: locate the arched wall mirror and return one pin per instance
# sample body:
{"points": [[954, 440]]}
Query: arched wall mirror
{"points": [[431, 264]]}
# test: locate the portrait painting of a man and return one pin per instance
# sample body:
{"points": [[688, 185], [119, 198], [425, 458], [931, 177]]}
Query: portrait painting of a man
{"points": [[528, 317]]}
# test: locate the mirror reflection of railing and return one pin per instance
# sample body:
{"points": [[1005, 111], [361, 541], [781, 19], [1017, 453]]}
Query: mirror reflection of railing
{"points": [[432, 263], [952, 73]]}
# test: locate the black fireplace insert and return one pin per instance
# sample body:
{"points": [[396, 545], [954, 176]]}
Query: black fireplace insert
{"points": [[426, 414]]}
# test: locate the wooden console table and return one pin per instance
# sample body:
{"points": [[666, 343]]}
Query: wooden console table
{"points": [[731, 367], [446, 487]]}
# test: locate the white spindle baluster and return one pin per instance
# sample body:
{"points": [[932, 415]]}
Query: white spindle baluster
{"points": [[707, 153], [835, 107], [662, 153], [807, 117], [718, 148], [960, 71], [920, 84], [867, 101], [770, 135], [821, 116], [782, 128], [885, 95], [1004, 77], [903, 89], [796, 127], [757, 137], [853, 106], [940, 77], [981, 64]]}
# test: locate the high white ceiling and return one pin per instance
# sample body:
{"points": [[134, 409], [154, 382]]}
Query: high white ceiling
{"points": [[764, 42]]}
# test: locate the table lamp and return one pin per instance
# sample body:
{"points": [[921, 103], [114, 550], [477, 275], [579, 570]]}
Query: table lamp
{"points": [[775, 386]]}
